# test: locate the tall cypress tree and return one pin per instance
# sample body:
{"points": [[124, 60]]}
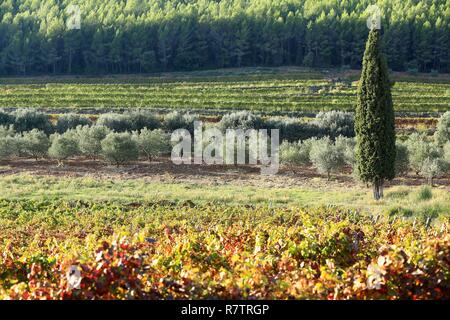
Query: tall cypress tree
{"points": [[374, 119]]}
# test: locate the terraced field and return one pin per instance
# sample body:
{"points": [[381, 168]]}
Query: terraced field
{"points": [[267, 93]]}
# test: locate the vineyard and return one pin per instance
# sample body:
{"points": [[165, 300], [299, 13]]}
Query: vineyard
{"points": [[207, 154], [278, 92], [91, 206], [172, 250]]}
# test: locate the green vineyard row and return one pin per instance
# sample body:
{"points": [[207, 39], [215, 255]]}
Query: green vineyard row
{"points": [[261, 95]]}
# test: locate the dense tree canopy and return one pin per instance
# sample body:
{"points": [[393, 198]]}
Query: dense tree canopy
{"points": [[130, 36], [374, 119]]}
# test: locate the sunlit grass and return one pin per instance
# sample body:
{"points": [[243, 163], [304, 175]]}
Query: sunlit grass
{"points": [[23, 186]]}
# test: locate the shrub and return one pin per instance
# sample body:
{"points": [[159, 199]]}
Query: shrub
{"points": [[296, 153], [425, 193], [176, 120], [141, 119], [294, 130], [63, 146], [152, 143], [326, 157], [290, 154], [346, 146], [446, 151], [119, 148], [332, 124], [398, 194], [8, 147], [336, 123], [115, 121], [419, 149], [442, 134], [7, 131], [432, 168], [241, 120], [399, 211], [401, 159], [29, 119], [90, 138], [6, 119], [71, 121], [35, 143]]}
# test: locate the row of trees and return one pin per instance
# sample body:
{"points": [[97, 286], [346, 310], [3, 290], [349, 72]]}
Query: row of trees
{"points": [[89, 141], [332, 123], [28, 119], [424, 155], [417, 154], [134, 36]]}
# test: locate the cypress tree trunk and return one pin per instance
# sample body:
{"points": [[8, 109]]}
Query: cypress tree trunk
{"points": [[374, 119], [375, 192], [378, 190]]}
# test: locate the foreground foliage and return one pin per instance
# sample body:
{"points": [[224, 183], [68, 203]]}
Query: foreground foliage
{"points": [[179, 251]]}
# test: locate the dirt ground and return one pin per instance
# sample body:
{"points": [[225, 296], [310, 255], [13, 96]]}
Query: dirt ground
{"points": [[163, 170]]}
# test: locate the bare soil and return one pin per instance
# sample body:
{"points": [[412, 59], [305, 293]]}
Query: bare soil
{"points": [[163, 170]]}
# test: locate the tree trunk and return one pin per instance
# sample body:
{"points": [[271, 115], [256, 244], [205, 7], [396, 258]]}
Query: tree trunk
{"points": [[375, 191], [378, 190], [381, 189], [70, 61]]}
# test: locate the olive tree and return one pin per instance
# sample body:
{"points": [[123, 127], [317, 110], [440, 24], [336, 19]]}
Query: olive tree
{"points": [[8, 147], [336, 123], [140, 119], [419, 149], [34, 143], [326, 156], [432, 168], [89, 140], [442, 134], [29, 119], [290, 154], [296, 153], [346, 146], [240, 120], [446, 152], [152, 143], [71, 121], [9, 142], [119, 148], [177, 120], [63, 146], [7, 131], [114, 121]]}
